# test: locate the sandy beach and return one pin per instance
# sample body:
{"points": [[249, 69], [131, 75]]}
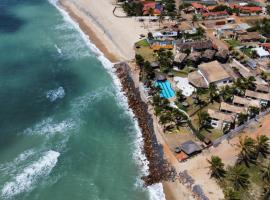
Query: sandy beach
{"points": [[114, 36]]}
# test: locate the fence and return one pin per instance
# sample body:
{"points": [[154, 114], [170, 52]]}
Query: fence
{"points": [[235, 131]]}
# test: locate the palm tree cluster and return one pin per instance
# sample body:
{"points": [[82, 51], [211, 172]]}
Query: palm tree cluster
{"points": [[235, 180], [165, 59], [147, 73], [239, 87], [169, 117], [252, 150]]}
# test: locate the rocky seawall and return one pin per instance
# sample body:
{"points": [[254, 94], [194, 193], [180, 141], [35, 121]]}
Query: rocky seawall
{"points": [[159, 169]]}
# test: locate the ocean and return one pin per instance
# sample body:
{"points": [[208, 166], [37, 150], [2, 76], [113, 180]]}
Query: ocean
{"points": [[66, 131]]}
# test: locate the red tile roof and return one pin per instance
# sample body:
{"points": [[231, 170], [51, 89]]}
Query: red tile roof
{"points": [[251, 9], [149, 5], [215, 13], [197, 5]]}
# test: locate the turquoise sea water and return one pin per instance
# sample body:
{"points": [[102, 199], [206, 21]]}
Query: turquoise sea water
{"points": [[65, 131]]}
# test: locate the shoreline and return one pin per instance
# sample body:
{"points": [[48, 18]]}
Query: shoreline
{"points": [[172, 190], [90, 32]]}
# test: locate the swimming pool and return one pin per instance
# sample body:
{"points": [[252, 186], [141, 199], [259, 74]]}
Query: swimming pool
{"points": [[166, 89]]}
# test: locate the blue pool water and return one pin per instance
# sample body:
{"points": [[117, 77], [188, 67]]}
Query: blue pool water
{"points": [[166, 89]]}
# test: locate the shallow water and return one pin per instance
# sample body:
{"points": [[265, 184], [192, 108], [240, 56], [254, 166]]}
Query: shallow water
{"points": [[66, 131]]}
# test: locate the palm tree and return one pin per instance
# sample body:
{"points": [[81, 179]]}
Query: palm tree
{"points": [[216, 167], [238, 177], [161, 18], [179, 95], [242, 118], [262, 146], [253, 111], [266, 172], [231, 194], [247, 154], [204, 120], [227, 93], [266, 191], [213, 92]]}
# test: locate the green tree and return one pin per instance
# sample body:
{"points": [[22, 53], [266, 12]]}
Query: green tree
{"points": [[266, 173], [242, 118], [262, 146], [239, 177], [139, 60], [253, 111], [247, 153], [204, 121], [216, 167], [231, 194], [213, 92]]}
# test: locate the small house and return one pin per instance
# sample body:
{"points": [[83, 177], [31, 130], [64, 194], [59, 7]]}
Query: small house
{"points": [[219, 119]]}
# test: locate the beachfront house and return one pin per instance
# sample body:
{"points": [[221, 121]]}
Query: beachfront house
{"points": [[212, 72]]}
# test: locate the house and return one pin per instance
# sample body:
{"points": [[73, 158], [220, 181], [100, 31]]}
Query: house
{"points": [[179, 59], [222, 55], [198, 7], [230, 108], [194, 57], [194, 45], [157, 45], [152, 8], [261, 52], [215, 15], [262, 97], [197, 80], [219, 119], [266, 46], [208, 55], [262, 88], [164, 35], [252, 63], [244, 102], [249, 37], [250, 9], [190, 148], [213, 72]]}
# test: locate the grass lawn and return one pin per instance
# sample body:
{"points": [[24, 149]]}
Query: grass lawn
{"points": [[142, 43], [247, 51], [146, 52], [181, 73], [212, 134], [233, 43]]}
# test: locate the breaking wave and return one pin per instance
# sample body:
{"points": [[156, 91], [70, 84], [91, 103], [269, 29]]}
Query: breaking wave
{"points": [[29, 176]]}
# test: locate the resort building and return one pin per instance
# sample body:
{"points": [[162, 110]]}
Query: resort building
{"points": [[219, 119], [195, 45], [262, 97], [212, 72], [244, 102], [230, 108]]}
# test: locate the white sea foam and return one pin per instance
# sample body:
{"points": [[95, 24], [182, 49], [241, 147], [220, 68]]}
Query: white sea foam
{"points": [[55, 94], [59, 50], [155, 191], [49, 127], [10, 167], [26, 180]]}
